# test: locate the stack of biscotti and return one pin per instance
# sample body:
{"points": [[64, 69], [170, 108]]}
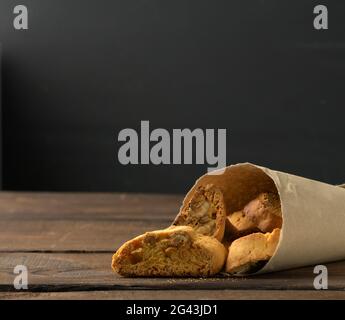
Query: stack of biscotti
{"points": [[205, 239], [253, 234]]}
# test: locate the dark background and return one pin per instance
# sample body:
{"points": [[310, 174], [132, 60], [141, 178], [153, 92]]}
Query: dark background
{"points": [[87, 69]]}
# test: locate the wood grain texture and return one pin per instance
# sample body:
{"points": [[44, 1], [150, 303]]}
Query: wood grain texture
{"points": [[87, 206], [71, 235], [83, 271], [79, 221]]}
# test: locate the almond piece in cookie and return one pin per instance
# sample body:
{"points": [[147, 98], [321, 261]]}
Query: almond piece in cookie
{"points": [[250, 253], [175, 251], [265, 212], [205, 212]]}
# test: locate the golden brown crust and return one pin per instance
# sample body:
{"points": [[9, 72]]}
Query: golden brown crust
{"points": [[205, 212], [246, 252], [175, 251], [264, 212]]}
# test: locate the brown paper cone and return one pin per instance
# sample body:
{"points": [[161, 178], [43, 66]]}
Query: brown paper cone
{"points": [[313, 230]]}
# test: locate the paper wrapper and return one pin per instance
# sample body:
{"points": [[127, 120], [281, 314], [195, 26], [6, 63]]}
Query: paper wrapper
{"points": [[313, 230]]}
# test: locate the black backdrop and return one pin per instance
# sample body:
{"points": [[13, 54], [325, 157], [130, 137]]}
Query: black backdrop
{"points": [[86, 69]]}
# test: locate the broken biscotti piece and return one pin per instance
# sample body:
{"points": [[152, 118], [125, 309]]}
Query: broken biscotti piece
{"points": [[250, 253], [205, 212], [238, 225], [264, 212], [175, 251]]}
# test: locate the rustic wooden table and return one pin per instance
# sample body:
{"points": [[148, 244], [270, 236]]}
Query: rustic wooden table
{"points": [[66, 240]]}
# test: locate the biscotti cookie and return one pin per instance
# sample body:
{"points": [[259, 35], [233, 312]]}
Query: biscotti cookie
{"points": [[265, 212], [176, 251], [238, 225], [248, 254], [205, 212]]}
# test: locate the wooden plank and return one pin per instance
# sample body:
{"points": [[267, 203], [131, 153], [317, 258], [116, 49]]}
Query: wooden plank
{"points": [[87, 206], [84, 272], [84, 236], [179, 295], [79, 222]]}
